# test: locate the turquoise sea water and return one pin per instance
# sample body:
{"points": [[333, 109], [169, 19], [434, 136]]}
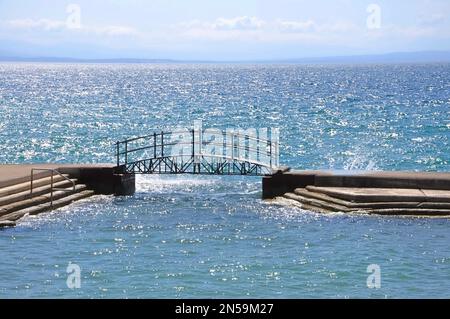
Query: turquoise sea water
{"points": [[189, 236]]}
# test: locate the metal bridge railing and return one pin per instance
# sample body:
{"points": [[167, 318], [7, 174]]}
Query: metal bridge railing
{"points": [[182, 147]]}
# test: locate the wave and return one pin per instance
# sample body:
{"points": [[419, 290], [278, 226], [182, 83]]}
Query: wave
{"points": [[156, 183]]}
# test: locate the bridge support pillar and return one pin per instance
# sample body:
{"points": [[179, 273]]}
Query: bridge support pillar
{"points": [[283, 182], [124, 184]]}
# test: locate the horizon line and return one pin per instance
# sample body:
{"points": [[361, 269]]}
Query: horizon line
{"points": [[396, 57]]}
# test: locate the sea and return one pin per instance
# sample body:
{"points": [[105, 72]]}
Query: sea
{"points": [[189, 236]]}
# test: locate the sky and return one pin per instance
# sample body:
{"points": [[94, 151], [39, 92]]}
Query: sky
{"points": [[221, 30]]}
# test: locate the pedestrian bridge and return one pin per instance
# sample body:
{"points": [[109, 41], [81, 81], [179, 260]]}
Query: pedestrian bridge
{"points": [[197, 151]]}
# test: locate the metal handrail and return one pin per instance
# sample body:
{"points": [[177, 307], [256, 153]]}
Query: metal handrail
{"points": [[223, 133], [53, 171], [240, 147]]}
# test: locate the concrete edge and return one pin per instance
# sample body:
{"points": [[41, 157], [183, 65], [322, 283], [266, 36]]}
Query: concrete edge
{"points": [[285, 182], [105, 179]]}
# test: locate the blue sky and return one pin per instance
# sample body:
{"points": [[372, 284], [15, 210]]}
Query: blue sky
{"points": [[221, 30]]}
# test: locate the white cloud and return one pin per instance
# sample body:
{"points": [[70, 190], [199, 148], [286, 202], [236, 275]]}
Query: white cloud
{"points": [[60, 25], [310, 26], [339, 27], [244, 28], [412, 32], [248, 24], [308, 31], [252, 28], [296, 26], [42, 24], [433, 19], [225, 24], [114, 30], [238, 23], [229, 31]]}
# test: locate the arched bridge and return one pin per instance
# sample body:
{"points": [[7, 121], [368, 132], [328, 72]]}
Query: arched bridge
{"points": [[197, 151]]}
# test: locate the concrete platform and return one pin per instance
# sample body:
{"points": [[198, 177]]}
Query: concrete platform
{"points": [[75, 182], [11, 174], [102, 178], [361, 195], [384, 193]]}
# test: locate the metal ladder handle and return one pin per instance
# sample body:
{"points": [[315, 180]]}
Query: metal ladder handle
{"points": [[53, 171]]}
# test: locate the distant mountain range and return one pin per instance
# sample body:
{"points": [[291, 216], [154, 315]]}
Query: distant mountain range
{"points": [[397, 57]]}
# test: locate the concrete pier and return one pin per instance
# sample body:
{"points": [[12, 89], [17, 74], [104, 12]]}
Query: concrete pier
{"points": [[385, 193], [69, 184], [104, 179]]}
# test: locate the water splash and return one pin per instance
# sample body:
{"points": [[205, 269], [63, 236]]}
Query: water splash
{"points": [[360, 162], [158, 183]]}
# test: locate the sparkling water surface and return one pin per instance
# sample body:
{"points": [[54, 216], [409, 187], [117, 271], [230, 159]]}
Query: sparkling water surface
{"points": [[194, 236]]}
